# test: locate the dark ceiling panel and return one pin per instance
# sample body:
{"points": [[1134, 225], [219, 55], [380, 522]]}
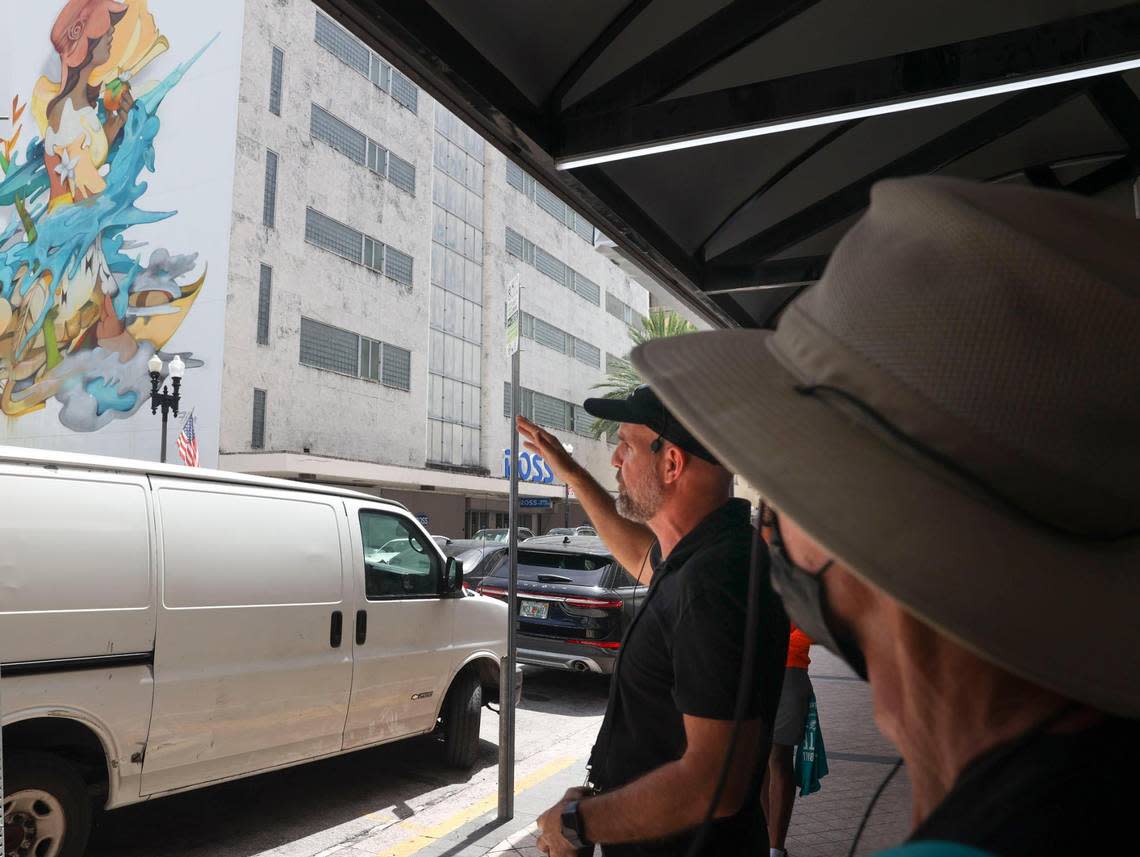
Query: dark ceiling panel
{"points": [[533, 43], [840, 32], [870, 146], [664, 21], [678, 186], [1073, 128]]}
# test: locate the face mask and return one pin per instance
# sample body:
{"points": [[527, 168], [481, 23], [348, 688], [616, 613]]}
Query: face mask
{"points": [[802, 593]]}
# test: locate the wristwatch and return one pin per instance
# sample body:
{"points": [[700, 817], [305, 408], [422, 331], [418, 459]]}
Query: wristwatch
{"points": [[573, 826]]}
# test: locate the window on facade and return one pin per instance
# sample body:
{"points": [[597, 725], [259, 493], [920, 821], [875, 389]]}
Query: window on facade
{"points": [[276, 80], [564, 275], [269, 200], [326, 347], [336, 350], [456, 312], [548, 202], [258, 439], [357, 56], [360, 148], [399, 562], [344, 241], [328, 234], [620, 310], [264, 290], [339, 135]]}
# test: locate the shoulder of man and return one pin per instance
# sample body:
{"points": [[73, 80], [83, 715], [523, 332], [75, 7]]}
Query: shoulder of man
{"points": [[720, 566], [933, 849]]}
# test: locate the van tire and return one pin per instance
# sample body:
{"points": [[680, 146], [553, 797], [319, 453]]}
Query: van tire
{"points": [[462, 712], [47, 773]]}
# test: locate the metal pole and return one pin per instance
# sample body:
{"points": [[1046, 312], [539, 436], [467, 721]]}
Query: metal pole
{"points": [[162, 453], [566, 503], [3, 849], [507, 681]]}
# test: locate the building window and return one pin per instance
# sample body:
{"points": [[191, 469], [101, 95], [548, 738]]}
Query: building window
{"points": [[346, 353], [548, 411], [398, 266], [456, 308], [405, 92], [339, 135], [264, 291], [586, 353], [276, 80], [561, 273], [362, 149], [621, 310], [557, 339], [548, 202], [342, 45], [328, 234], [396, 367], [330, 348], [269, 202], [583, 422], [615, 364], [357, 56], [258, 440]]}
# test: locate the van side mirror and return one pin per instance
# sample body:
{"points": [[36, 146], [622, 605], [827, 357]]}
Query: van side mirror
{"points": [[453, 576]]}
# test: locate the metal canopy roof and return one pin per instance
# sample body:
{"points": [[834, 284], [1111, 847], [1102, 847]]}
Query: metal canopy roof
{"points": [[736, 228]]}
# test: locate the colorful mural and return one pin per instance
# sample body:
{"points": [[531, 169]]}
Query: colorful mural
{"points": [[84, 304]]}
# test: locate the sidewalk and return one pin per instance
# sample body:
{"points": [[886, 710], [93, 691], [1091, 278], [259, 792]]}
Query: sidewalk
{"points": [[823, 823]]}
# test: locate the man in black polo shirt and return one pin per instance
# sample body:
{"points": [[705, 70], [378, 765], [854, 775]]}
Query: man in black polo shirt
{"points": [[663, 743]]}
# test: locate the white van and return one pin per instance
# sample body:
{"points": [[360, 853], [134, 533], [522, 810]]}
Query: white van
{"points": [[164, 628]]}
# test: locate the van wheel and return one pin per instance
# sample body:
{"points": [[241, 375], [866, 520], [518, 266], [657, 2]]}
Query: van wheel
{"points": [[47, 811], [462, 712]]}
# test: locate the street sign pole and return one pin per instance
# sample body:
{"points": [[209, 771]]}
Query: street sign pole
{"points": [[507, 670]]}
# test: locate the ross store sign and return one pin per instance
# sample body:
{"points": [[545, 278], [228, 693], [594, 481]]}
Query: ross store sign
{"points": [[536, 503], [532, 468]]}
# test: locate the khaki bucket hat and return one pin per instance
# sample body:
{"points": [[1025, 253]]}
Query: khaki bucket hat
{"points": [[953, 411]]}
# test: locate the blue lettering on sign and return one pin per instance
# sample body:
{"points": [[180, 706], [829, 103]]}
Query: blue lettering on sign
{"points": [[532, 468]]}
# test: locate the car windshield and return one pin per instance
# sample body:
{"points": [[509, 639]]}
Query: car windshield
{"points": [[560, 531], [548, 566]]}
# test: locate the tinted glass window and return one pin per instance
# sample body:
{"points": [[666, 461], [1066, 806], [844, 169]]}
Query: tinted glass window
{"points": [[399, 562], [579, 569]]}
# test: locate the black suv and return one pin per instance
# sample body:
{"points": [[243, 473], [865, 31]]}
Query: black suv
{"points": [[575, 602]]}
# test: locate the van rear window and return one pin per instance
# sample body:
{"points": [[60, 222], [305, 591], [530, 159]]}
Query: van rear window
{"points": [[579, 569]]}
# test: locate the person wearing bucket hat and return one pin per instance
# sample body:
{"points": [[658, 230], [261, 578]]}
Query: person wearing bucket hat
{"points": [[947, 426], [671, 717]]}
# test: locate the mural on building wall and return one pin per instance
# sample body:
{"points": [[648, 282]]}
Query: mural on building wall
{"points": [[83, 304]]}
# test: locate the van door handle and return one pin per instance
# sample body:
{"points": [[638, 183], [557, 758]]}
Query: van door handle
{"points": [[361, 627], [335, 629]]}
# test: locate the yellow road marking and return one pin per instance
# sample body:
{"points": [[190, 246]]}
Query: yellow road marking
{"points": [[428, 836]]}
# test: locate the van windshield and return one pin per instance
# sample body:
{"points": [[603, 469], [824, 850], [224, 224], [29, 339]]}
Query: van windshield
{"points": [[580, 569]]}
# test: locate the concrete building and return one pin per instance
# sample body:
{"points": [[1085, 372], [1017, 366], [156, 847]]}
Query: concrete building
{"points": [[373, 239]]}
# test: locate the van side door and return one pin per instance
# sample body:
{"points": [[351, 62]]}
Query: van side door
{"points": [[253, 659], [401, 628]]}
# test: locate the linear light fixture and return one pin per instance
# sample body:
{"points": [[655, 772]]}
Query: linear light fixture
{"points": [[846, 115]]}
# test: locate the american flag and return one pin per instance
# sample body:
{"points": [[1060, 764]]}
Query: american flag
{"points": [[188, 443]]}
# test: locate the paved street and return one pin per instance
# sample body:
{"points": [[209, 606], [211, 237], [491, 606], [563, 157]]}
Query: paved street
{"points": [[400, 800]]}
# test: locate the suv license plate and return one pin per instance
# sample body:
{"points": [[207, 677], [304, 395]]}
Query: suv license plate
{"points": [[533, 609]]}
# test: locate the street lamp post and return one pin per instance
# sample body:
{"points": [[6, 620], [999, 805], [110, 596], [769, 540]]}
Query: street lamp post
{"points": [[168, 401], [569, 447]]}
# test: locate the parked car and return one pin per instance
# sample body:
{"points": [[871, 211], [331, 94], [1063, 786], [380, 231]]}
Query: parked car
{"points": [[442, 541], [572, 531], [166, 628], [501, 535], [575, 602], [477, 557]]}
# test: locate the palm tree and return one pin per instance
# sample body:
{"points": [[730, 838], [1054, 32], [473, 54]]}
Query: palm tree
{"points": [[621, 378]]}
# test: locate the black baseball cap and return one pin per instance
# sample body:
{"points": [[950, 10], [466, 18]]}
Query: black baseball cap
{"points": [[642, 407]]}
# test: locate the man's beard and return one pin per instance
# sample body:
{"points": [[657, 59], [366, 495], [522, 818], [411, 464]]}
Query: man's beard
{"points": [[642, 503]]}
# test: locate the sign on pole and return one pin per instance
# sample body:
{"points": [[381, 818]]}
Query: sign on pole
{"points": [[507, 668], [514, 318]]}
